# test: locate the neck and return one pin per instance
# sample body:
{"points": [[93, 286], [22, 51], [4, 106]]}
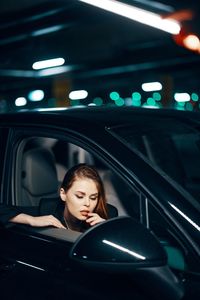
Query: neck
{"points": [[71, 222]]}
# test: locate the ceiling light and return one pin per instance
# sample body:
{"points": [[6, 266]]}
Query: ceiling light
{"points": [[36, 95], [77, 95], [191, 42], [182, 97], [20, 101], [53, 71], [151, 86], [49, 63], [137, 14]]}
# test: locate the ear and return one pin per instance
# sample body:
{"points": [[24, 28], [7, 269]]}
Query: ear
{"points": [[62, 194]]}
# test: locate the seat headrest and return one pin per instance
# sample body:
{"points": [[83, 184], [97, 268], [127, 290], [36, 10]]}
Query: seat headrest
{"points": [[39, 176]]}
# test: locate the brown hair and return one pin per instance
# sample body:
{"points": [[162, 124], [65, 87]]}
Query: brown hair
{"points": [[87, 171]]}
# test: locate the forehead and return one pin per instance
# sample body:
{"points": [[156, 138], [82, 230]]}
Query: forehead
{"points": [[84, 185]]}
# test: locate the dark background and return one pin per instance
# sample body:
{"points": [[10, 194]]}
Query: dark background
{"points": [[103, 52]]}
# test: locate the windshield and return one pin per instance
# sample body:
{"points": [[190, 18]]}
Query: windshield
{"points": [[169, 146]]}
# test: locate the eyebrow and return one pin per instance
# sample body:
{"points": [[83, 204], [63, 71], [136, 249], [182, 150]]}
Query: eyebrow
{"points": [[95, 194]]}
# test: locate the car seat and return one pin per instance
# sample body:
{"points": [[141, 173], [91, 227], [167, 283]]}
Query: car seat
{"points": [[39, 176]]}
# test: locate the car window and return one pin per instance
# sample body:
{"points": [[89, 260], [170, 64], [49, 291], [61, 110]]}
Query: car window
{"points": [[40, 165], [178, 256], [172, 148]]}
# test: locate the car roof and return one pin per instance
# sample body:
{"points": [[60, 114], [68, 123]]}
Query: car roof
{"points": [[104, 116]]}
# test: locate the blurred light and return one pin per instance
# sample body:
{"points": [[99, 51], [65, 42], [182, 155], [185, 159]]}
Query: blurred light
{"points": [[36, 95], [49, 63], [151, 101], [137, 14], [47, 30], [79, 94], [119, 102], [151, 86], [52, 109], [146, 105], [128, 101], [157, 96], [194, 97], [189, 106], [54, 71], [114, 96], [98, 101], [136, 96], [20, 101], [92, 104], [182, 97], [191, 42]]}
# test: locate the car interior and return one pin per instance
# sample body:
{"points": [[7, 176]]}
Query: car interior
{"points": [[44, 163]]}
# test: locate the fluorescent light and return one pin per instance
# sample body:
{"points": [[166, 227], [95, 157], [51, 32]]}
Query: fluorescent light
{"points": [[36, 95], [182, 97], [47, 30], [20, 101], [49, 63], [54, 71], [77, 95], [151, 86], [137, 14]]}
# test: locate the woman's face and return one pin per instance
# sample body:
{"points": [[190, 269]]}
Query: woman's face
{"points": [[81, 198]]}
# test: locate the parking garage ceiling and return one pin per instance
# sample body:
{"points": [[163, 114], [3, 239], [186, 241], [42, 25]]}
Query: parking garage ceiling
{"points": [[102, 51]]}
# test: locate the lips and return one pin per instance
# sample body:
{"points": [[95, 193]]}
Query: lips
{"points": [[84, 213]]}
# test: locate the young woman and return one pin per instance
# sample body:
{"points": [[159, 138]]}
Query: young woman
{"points": [[81, 204]]}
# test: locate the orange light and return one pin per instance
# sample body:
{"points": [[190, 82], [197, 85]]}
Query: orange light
{"points": [[191, 42]]}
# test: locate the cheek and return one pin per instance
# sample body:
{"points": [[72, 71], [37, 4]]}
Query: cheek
{"points": [[72, 203], [93, 205]]}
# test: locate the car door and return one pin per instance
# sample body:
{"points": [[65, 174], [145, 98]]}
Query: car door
{"points": [[36, 262]]}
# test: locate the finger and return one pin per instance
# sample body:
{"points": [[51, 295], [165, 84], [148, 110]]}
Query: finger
{"points": [[56, 223], [89, 220]]}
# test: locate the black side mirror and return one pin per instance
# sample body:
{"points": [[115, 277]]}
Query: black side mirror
{"points": [[118, 244], [124, 246]]}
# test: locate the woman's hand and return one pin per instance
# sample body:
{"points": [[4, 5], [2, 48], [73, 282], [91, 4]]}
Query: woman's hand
{"points": [[44, 221], [94, 219], [41, 221]]}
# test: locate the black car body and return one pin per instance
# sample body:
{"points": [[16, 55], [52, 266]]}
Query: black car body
{"points": [[149, 161]]}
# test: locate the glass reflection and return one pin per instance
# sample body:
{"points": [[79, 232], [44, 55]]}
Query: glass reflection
{"points": [[124, 249]]}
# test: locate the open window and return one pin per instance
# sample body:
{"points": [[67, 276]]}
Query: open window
{"points": [[42, 163]]}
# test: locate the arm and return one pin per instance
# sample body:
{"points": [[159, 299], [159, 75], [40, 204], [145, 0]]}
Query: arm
{"points": [[18, 215], [40, 221]]}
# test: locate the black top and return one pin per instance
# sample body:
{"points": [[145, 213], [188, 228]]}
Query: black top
{"points": [[50, 206]]}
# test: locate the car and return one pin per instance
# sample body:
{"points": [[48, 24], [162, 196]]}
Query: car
{"points": [[149, 161]]}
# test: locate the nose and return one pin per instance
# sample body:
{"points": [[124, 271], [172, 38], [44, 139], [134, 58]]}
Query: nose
{"points": [[87, 201]]}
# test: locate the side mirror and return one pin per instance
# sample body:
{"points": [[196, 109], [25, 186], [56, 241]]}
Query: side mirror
{"points": [[123, 246], [118, 244]]}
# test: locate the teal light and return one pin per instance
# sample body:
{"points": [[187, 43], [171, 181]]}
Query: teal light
{"points": [[151, 101], [36, 95], [157, 96], [136, 102], [98, 101], [75, 102], [136, 96], [180, 104], [194, 97], [136, 99], [189, 106], [114, 96], [119, 102]]}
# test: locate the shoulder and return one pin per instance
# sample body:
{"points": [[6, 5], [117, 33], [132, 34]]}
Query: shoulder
{"points": [[112, 211], [48, 205]]}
